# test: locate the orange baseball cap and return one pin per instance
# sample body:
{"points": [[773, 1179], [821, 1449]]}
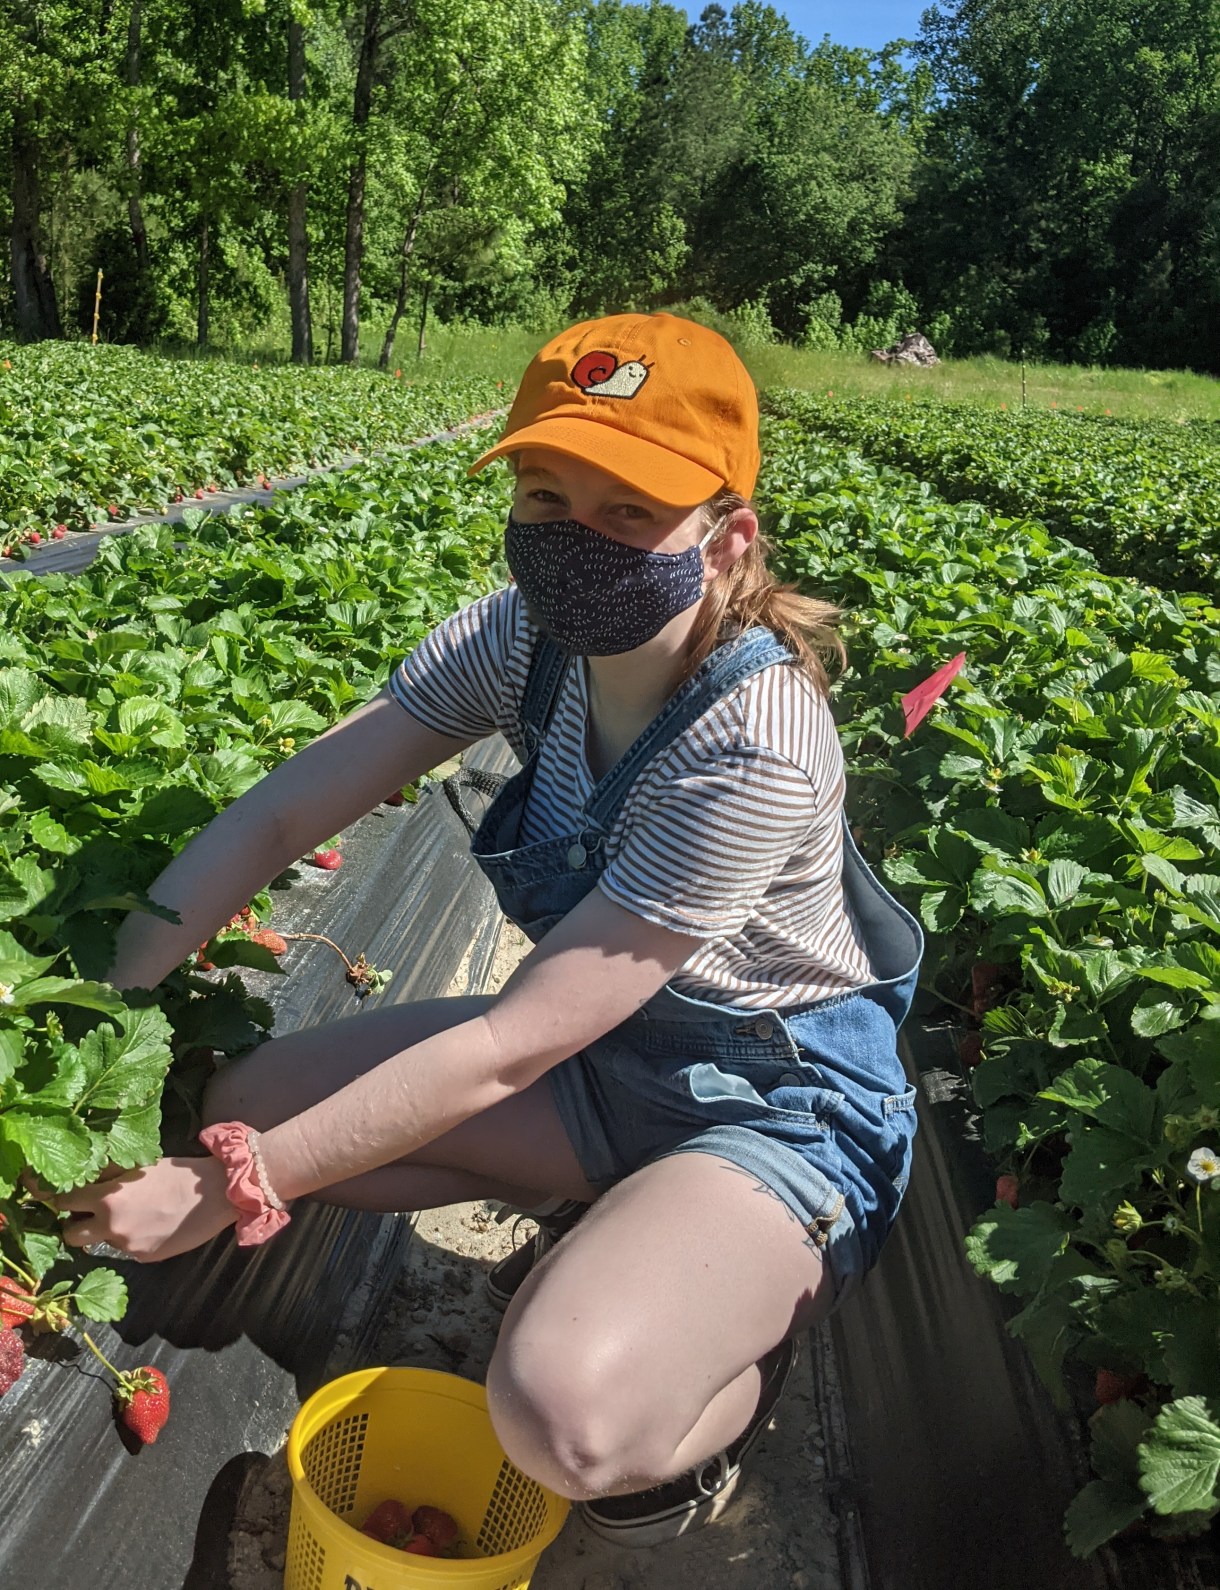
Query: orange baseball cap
{"points": [[659, 402]]}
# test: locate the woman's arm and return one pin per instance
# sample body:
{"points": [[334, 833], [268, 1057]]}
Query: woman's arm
{"points": [[592, 971], [338, 777]]}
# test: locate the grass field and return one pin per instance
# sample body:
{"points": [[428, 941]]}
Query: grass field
{"points": [[503, 352], [1132, 394]]}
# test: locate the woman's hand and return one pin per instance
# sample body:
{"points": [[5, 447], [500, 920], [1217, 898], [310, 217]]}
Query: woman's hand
{"points": [[150, 1214]]}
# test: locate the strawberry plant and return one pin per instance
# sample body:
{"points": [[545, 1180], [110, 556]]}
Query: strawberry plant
{"points": [[141, 431], [1142, 497], [136, 700], [1056, 825]]}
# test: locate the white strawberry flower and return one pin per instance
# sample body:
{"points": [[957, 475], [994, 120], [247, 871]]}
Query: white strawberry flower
{"points": [[1203, 1165], [6, 994]]}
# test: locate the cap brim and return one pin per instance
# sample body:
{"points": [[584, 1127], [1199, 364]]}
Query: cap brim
{"points": [[653, 470]]}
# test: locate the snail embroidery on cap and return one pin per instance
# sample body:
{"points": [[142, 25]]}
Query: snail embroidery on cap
{"points": [[601, 375]]}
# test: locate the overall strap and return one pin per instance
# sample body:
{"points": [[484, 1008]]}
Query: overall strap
{"points": [[547, 671], [726, 668]]}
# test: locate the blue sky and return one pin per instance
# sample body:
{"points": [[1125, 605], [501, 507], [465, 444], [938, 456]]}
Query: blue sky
{"points": [[867, 24]]}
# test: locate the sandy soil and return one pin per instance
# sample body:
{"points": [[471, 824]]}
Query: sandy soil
{"points": [[778, 1532]]}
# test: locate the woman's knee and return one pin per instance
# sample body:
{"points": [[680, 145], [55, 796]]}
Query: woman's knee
{"points": [[564, 1413]]}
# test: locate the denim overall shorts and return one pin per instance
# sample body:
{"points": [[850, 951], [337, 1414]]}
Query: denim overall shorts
{"points": [[810, 1100]]}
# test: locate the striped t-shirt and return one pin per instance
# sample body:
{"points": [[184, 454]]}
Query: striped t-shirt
{"points": [[732, 833]]}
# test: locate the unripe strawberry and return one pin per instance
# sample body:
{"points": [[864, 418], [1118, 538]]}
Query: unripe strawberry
{"points": [[269, 940]]}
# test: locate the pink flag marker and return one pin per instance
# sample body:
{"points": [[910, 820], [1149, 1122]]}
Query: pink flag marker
{"points": [[917, 703]]}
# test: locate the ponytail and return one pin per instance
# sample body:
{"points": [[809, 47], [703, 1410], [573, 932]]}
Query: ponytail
{"points": [[747, 593]]}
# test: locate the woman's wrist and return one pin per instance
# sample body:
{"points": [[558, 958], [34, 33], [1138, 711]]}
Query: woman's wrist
{"points": [[260, 1210]]}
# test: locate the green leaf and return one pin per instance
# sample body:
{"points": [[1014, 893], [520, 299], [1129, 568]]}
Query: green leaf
{"points": [[67, 991], [57, 1146], [42, 1249], [1102, 1163], [1098, 1513], [1015, 1248], [126, 1069], [101, 1294], [11, 1048], [1154, 1014], [1180, 1458], [134, 1138]]}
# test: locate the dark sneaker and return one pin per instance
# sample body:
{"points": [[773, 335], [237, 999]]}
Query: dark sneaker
{"points": [[663, 1512], [504, 1278]]}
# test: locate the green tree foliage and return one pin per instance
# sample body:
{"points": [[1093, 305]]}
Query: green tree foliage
{"points": [[1026, 176], [1069, 203]]}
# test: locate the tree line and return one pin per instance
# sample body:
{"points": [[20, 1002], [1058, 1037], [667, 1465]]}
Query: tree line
{"points": [[1024, 176]]}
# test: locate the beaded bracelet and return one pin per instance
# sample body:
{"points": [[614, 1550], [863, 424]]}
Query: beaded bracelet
{"points": [[260, 1213]]}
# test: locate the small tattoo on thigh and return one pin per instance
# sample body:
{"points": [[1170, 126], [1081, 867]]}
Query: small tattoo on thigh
{"points": [[810, 1240]]}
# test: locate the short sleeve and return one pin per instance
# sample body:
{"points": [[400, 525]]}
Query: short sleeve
{"points": [[709, 842], [454, 681]]}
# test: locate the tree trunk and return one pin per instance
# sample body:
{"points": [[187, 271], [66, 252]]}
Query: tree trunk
{"points": [[201, 335], [400, 306], [298, 237], [423, 321], [135, 207], [37, 313], [354, 245]]}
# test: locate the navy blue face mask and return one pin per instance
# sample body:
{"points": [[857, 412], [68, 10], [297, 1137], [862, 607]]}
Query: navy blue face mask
{"points": [[595, 596]]}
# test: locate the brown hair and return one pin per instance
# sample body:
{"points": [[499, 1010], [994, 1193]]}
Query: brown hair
{"points": [[748, 593]]}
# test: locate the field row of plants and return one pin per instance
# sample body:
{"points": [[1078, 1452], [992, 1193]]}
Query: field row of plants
{"points": [[140, 433], [1144, 498], [1056, 824], [137, 700]]}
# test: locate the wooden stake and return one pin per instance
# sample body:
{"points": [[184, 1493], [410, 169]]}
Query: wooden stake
{"points": [[97, 305]]}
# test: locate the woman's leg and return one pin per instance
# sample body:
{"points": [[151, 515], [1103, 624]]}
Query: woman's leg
{"points": [[631, 1352], [517, 1150]]}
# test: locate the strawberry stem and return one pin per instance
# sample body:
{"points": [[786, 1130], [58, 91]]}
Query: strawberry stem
{"points": [[98, 1353], [17, 1270], [320, 938]]}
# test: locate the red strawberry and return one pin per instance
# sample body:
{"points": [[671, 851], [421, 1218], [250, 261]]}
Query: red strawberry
{"points": [[177, 496], [34, 538], [434, 1525], [264, 482], [199, 491], [59, 532], [212, 486], [1111, 1387], [269, 940], [143, 1399], [396, 799], [113, 510], [388, 1522], [421, 1546], [329, 859], [970, 1048], [16, 1304], [12, 1359], [1006, 1190]]}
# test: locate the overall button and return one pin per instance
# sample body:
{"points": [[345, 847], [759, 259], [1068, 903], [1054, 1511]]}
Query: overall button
{"points": [[789, 1080], [577, 856], [763, 1028]]}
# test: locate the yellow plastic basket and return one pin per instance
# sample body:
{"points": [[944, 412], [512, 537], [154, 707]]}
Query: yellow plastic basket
{"points": [[418, 1436]]}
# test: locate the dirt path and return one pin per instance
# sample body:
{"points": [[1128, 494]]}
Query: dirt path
{"points": [[779, 1531]]}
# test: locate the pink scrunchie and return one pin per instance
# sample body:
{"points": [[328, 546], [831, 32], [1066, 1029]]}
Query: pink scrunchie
{"points": [[257, 1220]]}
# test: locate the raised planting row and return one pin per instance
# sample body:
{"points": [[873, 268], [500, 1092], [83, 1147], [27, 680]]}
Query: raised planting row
{"points": [[98, 435], [1056, 824], [1143, 497], [136, 701]]}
